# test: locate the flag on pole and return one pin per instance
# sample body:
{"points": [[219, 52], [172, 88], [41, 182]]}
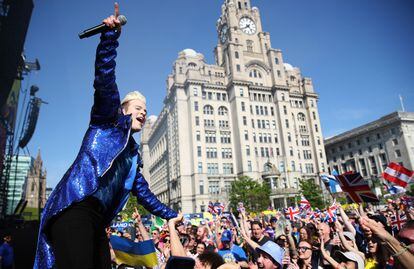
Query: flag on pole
{"points": [[134, 253], [292, 213], [394, 189], [356, 188], [158, 222], [331, 182], [304, 204], [398, 174], [398, 220]]}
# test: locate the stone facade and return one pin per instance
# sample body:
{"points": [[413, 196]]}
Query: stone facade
{"points": [[369, 148], [249, 114]]}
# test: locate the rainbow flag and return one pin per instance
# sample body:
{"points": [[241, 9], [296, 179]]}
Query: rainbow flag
{"points": [[134, 254]]}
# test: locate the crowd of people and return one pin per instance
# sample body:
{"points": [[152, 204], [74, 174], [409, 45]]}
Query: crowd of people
{"points": [[356, 238]]}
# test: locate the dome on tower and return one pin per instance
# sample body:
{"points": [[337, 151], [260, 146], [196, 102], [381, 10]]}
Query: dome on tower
{"points": [[189, 53]]}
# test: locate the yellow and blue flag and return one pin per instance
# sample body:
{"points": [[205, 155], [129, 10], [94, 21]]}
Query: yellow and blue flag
{"points": [[134, 253]]}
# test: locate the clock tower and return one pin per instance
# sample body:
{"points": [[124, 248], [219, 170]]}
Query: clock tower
{"points": [[244, 50]]}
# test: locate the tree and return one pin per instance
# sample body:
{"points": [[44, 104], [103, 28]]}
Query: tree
{"points": [[253, 195], [312, 192], [129, 208]]}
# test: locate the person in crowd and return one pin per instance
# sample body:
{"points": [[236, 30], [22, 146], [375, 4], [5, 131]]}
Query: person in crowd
{"points": [[7, 253], [230, 252]]}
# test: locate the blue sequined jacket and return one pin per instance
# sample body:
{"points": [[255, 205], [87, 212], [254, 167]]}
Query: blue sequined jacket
{"points": [[106, 137]]}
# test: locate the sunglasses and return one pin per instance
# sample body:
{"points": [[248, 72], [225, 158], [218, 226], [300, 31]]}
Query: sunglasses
{"points": [[303, 249]]}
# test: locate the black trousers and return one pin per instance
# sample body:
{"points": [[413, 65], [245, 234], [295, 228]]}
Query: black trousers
{"points": [[78, 237]]}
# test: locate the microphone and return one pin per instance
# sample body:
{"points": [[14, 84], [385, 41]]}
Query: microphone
{"points": [[100, 28]]}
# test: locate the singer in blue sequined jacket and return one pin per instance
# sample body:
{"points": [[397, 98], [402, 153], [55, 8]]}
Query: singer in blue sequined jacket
{"points": [[106, 140]]}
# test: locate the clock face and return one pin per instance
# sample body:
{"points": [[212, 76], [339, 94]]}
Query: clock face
{"points": [[247, 25], [223, 33]]}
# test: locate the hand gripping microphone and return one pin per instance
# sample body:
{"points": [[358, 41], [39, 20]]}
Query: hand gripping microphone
{"points": [[100, 28]]}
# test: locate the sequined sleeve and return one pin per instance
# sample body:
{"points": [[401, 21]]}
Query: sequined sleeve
{"points": [[106, 98], [147, 199]]}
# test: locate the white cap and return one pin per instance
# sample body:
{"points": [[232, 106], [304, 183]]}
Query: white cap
{"points": [[134, 96], [353, 257]]}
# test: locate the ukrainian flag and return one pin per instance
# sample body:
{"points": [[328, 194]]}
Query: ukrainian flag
{"points": [[132, 253]]}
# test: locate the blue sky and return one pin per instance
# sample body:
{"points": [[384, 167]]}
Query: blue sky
{"points": [[359, 54]]}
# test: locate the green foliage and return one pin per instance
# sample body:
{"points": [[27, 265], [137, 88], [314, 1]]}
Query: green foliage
{"points": [[254, 195], [312, 192], [129, 208]]}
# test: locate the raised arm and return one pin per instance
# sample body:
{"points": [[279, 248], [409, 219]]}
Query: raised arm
{"points": [[146, 198], [106, 98]]}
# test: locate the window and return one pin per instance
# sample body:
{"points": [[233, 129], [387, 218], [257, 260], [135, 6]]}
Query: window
{"points": [[305, 141], [236, 55], [241, 92], [198, 136], [283, 96], [303, 129], [287, 123], [212, 169], [243, 106], [316, 128], [246, 135], [195, 91], [195, 106], [289, 137], [197, 121], [395, 142], [249, 46], [276, 61], [208, 110], [211, 153], [248, 150], [226, 153], [223, 123], [199, 151], [214, 186], [277, 152], [222, 111], [290, 151], [279, 74], [225, 137], [208, 123], [367, 139], [397, 153], [314, 115], [309, 168], [238, 67], [307, 155], [201, 182], [249, 166], [244, 121], [285, 110], [378, 136], [301, 117], [272, 111], [200, 170], [227, 168], [210, 137]]}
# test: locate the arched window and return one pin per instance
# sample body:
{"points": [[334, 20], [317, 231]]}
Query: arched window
{"points": [[301, 117], [236, 54], [223, 111], [208, 110], [192, 64]]}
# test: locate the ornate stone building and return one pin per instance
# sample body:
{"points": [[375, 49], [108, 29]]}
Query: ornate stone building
{"points": [[35, 184], [249, 114]]}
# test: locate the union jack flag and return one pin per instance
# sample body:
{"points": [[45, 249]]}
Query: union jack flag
{"points": [[216, 208], [356, 188], [398, 220], [407, 200], [304, 204], [315, 214], [292, 213], [330, 214]]}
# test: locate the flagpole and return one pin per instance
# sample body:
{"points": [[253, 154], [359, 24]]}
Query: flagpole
{"points": [[402, 103]]}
